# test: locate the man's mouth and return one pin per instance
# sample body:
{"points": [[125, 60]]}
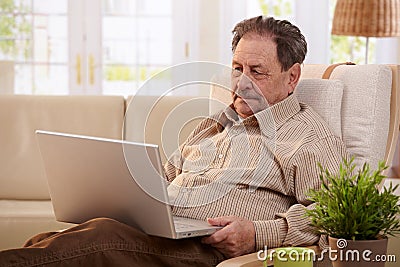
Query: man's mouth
{"points": [[243, 94], [245, 98]]}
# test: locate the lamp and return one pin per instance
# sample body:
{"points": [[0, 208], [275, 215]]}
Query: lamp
{"points": [[369, 18]]}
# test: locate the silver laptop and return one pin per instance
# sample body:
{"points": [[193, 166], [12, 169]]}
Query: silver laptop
{"points": [[91, 177]]}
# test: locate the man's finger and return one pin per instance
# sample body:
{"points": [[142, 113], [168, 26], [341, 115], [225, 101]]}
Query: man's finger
{"points": [[220, 221], [216, 237]]}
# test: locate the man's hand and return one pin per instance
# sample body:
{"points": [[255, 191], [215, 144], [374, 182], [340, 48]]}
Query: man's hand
{"points": [[235, 239]]}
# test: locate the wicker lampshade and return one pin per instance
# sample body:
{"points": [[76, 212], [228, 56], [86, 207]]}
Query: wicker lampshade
{"points": [[370, 18]]}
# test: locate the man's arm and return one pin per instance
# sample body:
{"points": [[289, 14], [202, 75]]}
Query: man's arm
{"points": [[173, 166]]}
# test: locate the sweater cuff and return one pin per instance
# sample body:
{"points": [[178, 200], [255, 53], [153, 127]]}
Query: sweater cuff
{"points": [[270, 233]]}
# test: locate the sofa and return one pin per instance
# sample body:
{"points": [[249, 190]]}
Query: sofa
{"points": [[25, 205]]}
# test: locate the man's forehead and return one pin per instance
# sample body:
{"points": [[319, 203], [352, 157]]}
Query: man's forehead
{"points": [[248, 60], [253, 58], [254, 49]]}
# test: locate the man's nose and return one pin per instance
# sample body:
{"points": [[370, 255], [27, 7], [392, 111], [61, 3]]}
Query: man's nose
{"points": [[244, 82]]}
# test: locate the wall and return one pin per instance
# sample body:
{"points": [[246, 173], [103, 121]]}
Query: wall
{"points": [[388, 50]]}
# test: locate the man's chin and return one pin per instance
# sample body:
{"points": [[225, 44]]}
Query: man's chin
{"points": [[243, 112], [242, 107]]}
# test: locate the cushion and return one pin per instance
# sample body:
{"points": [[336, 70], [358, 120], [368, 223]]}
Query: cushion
{"points": [[365, 110], [325, 97]]}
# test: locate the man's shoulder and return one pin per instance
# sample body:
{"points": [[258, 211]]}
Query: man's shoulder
{"points": [[207, 126], [212, 120], [314, 123]]}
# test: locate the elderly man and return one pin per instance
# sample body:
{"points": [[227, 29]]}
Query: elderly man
{"points": [[247, 168]]}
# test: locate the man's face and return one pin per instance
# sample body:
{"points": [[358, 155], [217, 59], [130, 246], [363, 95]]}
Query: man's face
{"points": [[257, 77]]}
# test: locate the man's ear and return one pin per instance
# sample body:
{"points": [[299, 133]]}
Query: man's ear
{"points": [[294, 76]]}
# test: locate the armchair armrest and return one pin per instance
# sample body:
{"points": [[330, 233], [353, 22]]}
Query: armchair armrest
{"points": [[249, 260]]}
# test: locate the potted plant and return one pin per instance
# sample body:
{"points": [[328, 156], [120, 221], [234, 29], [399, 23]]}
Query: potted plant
{"points": [[355, 214]]}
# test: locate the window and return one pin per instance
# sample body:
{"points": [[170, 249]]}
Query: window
{"points": [[33, 35], [140, 48], [280, 9], [84, 46]]}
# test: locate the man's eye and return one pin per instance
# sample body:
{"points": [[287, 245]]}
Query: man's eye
{"points": [[237, 71]]}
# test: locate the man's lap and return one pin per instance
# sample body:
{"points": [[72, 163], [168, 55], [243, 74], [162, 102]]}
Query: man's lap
{"points": [[105, 242]]}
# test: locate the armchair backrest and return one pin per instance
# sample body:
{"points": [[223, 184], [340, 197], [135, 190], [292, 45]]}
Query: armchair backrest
{"points": [[359, 102]]}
